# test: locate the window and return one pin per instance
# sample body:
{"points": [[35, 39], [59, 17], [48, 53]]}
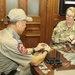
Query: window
{"points": [[10, 4]]}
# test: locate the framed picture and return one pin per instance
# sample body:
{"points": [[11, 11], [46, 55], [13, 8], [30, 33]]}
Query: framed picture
{"points": [[64, 4]]}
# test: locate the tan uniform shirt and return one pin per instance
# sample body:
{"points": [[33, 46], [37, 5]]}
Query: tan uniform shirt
{"points": [[10, 56]]}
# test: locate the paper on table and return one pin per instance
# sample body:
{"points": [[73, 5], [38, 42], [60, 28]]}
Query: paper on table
{"points": [[44, 68]]}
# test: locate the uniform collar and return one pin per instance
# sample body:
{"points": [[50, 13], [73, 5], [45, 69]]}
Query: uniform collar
{"points": [[13, 32], [66, 27]]}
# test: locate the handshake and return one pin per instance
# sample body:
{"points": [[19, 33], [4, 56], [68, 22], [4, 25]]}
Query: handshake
{"points": [[42, 46]]}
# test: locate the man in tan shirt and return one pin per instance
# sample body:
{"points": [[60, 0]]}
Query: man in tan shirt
{"points": [[12, 51]]}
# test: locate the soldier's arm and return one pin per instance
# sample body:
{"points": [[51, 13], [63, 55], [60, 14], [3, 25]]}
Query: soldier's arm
{"points": [[57, 35]]}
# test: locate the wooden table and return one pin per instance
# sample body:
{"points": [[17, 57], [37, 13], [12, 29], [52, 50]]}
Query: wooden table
{"points": [[37, 71], [65, 65]]}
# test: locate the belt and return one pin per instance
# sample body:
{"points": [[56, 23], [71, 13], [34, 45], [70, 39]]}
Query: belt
{"points": [[10, 73]]}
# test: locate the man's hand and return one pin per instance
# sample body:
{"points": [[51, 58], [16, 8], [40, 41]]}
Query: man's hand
{"points": [[40, 46], [68, 39], [47, 48], [73, 41]]}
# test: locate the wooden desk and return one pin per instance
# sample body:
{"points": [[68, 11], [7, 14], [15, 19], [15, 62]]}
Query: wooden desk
{"points": [[66, 65], [37, 71]]}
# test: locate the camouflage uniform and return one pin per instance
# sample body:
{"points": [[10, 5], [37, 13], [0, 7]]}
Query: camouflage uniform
{"points": [[61, 32]]}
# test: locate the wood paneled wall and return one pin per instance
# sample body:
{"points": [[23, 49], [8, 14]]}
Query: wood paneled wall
{"points": [[53, 18], [43, 24]]}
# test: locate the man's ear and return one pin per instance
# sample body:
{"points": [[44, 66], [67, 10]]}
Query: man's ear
{"points": [[74, 17], [18, 24]]}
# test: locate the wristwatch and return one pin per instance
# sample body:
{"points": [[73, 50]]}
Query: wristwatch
{"points": [[33, 50], [44, 51]]}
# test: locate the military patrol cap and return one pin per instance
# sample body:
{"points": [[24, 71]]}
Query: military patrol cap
{"points": [[17, 15]]}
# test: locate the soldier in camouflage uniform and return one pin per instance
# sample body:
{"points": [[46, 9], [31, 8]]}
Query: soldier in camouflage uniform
{"points": [[64, 32]]}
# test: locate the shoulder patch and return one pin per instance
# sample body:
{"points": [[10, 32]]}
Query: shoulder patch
{"points": [[22, 49]]}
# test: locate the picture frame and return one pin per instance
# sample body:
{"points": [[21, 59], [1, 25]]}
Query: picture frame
{"points": [[64, 4]]}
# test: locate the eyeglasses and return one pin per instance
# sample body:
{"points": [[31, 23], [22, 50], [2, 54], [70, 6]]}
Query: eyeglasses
{"points": [[70, 16]]}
